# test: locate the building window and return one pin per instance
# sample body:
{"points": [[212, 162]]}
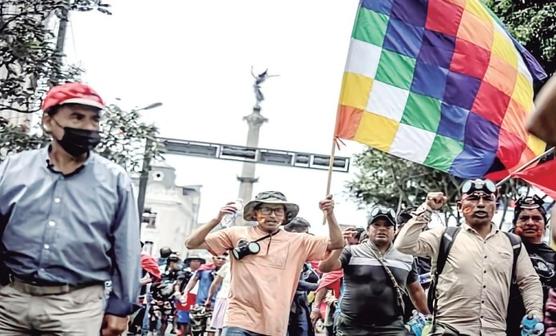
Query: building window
{"points": [[149, 218]]}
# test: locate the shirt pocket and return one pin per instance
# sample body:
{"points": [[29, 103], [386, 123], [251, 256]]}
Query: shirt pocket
{"points": [[276, 257], [503, 262]]}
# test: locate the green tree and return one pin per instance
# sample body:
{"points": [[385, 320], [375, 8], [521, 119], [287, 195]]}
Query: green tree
{"points": [[123, 138], [533, 23], [390, 181], [30, 56], [31, 61]]}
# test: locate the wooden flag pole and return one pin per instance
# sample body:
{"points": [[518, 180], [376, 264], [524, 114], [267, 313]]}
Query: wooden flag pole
{"points": [[525, 165], [331, 162], [331, 166]]}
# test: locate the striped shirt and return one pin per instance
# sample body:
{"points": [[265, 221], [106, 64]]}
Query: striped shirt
{"points": [[369, 296]]}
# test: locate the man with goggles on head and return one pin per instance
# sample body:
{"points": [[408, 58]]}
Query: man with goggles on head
{"points": [[530, 223], [265, 259], [472, 289], [376, 276]]}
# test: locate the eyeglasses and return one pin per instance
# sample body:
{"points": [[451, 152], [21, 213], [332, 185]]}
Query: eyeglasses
{"points": [[267, 211], [471, 186]]}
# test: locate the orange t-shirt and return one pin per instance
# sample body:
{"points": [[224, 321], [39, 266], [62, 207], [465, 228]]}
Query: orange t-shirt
{"points": [[263, 285]]}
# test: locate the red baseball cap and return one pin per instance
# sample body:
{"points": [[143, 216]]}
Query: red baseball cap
{"points": [[72, 93]]}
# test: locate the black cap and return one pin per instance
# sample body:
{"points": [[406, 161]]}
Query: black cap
{"points": [[382, 212]]}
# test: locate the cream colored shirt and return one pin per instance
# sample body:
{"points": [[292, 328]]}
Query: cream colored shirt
{"points": [[263, 285], [473, 289]]}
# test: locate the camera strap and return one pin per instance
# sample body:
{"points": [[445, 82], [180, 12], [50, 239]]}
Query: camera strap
{"points": [[265, 237]]}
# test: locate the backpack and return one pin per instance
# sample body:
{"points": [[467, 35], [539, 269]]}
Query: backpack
{"points": [[446, 242]]}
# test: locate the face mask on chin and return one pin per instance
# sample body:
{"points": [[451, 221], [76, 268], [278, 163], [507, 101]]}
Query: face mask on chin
{"points": [[77, 141]]}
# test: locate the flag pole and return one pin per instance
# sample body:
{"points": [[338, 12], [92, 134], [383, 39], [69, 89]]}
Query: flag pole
{"points": [[331, 165], [331, 161], [526, 165]]}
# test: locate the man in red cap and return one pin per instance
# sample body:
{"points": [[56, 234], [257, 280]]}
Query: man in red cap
{"points": [[69, 223]]}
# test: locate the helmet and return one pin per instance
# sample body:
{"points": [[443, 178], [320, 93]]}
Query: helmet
{"points": [[165, 252]]}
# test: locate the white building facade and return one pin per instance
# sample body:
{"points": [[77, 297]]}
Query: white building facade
{"points": [[171, 211]]}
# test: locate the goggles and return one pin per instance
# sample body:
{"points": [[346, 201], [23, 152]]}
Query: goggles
{"points": [[530, 202], [470, 186], [380, 211]]}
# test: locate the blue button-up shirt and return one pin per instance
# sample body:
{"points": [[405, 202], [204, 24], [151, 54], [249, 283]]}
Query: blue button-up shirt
{"points": [[73, 229]]}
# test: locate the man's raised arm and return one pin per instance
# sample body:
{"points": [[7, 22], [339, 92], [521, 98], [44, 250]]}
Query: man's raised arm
{"points": [[196, 239], [336, 240], [411, 239]]}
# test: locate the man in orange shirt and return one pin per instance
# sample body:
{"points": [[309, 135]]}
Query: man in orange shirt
{"points": [[266, 261]]}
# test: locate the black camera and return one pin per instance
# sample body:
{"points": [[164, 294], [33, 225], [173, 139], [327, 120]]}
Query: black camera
{"points": [[245, 248]]}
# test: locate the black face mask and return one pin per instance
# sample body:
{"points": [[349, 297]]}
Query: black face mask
{"points": [[77, 141]]}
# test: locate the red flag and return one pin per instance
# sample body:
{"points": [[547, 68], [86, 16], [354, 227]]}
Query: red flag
{"points": [[542, 176]]}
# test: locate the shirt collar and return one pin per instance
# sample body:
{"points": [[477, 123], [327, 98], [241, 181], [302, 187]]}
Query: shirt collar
{"points": [[376, 249], [47, 149], [493, 229]]}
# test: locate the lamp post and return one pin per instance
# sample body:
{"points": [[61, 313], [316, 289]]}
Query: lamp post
{"points": [[144, 177]]}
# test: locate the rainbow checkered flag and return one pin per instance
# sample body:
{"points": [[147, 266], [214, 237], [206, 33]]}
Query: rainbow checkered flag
{"points": [[441, 83]]}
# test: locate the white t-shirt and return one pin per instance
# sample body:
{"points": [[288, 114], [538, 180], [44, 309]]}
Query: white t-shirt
{"points": [[224, 272]]}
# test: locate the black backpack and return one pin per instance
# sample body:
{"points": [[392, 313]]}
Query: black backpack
{"points": [[448, 238]]}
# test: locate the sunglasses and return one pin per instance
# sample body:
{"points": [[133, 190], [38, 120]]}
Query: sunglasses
{"points": [[471, 186]]}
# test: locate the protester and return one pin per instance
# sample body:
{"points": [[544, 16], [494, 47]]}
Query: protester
{"points": [[184, 301], [150, 274], [221, 286], [70, 224], [422, 264], [375, 277], [299, 322], [329, 290], [266, 258], [530, 224], [472, 290], [204, 277]]}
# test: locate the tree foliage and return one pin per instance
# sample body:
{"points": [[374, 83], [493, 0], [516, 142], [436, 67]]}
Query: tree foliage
{"points": [[533, 23], [124, 138], [397, 183], [31, 62]]}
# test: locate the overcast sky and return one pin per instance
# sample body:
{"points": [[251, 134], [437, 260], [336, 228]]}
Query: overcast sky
{"points": [[195, 57]]}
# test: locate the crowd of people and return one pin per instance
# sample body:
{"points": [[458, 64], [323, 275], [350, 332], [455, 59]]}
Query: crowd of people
{"points": [[480, 280], [69, 223]]}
